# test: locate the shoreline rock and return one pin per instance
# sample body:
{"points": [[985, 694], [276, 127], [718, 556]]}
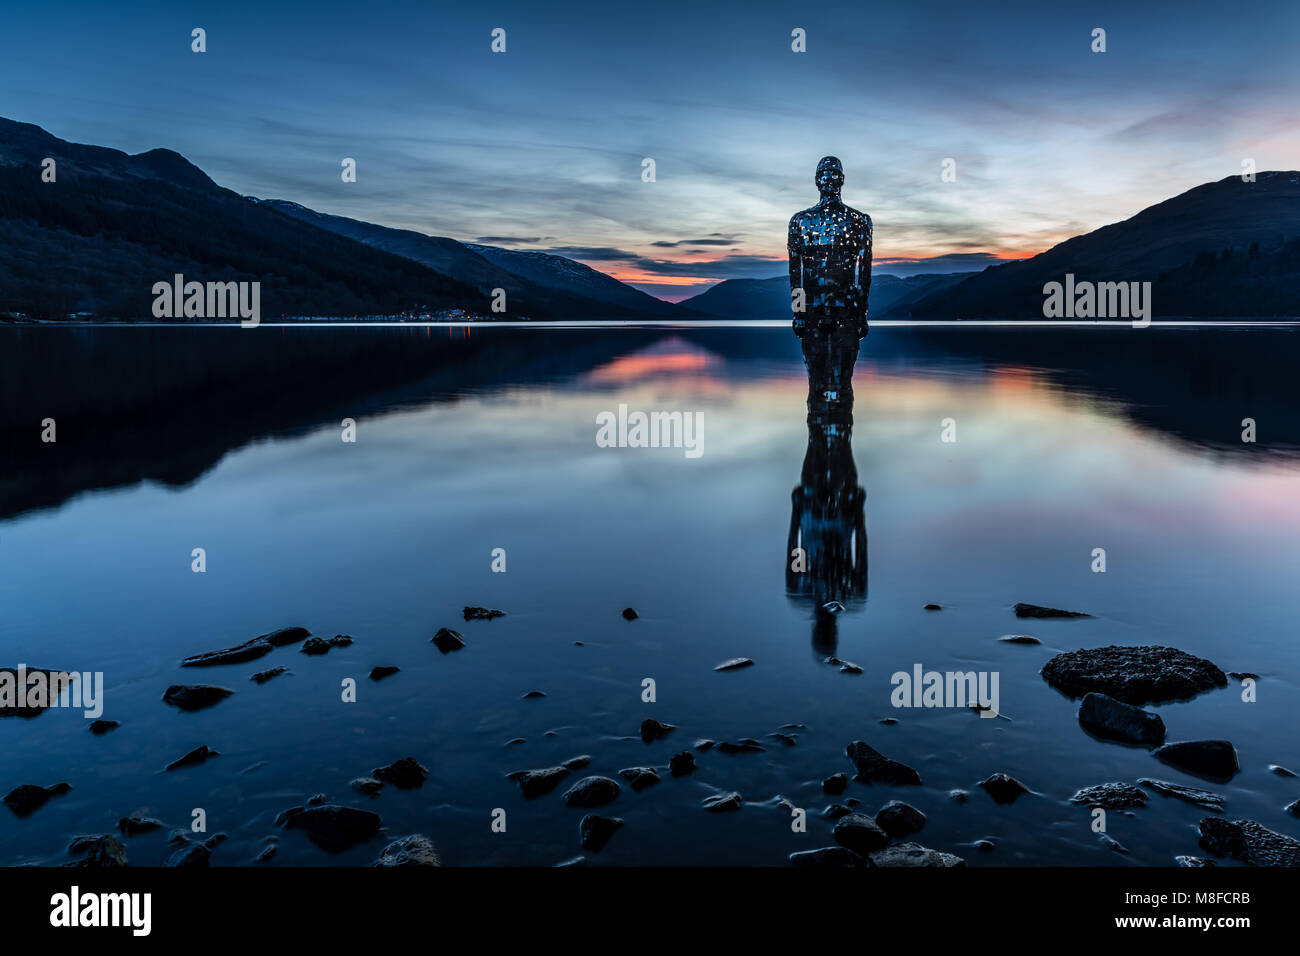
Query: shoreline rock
{"points": [[1148, 674], [1113, 719]]}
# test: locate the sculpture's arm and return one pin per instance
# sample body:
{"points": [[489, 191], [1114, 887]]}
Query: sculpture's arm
{"points": [[864, 274], [796, 275]]}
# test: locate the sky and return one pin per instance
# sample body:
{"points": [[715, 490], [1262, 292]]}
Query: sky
{"points": [[542, 146]]}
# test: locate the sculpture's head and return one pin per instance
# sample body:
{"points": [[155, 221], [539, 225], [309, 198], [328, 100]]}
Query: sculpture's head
{"points": [[830, 176]]}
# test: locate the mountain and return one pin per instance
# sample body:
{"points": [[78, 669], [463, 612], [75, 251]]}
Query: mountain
{"points": [[561, 286], [770, 298], [1227, 248]]}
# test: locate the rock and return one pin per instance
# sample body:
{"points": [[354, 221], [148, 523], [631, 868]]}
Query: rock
{"points": [[914, 855], [261, 677], [985, 846], [316, 800], [1212, 759], [888, 721], [1242, 675], [1115, 720], [367, 785], [318, 645], [958, 796], [860, 834], [195, 757], [1111, 796], [448, 640], [704, 743], [515, 741], [1293, 808], [629, 614], [853, 801], [101, 851], [249, 650], [331, 826], [136, 824], [835, 784], [577, 763], [722, 802], [482, 613], [744, 745], [846, 667], [532, 695], [652, 729], [592, 792], [899, 819], [1134, 675], [640, 777], [43, 688], [681, 764], [196, 854], [1003, 788], [1202, 798], [1279, 770], [836, 810], [828, 856], [384, 670], [101, 727], [734, 664], [29, 798], [195, 696], [1194, 861], [1019, 639], [1249, 842], [1110, 843], [536, 783], [404, 774], [594, 831], [875, 767], [267, 853], [789, 740], [933, 607], [413, 850], [830, 609], [1037, 610]]}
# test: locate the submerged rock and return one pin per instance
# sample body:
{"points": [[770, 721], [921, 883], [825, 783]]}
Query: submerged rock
{"points": [[629, 614], [789, 740], [533, 695], [704, 743], [1111, 796], [101, 727], [1194, 861], [577, 763], [536, 783], [261, 677], [1249, 842], [594, 831], [1003, 788], [860, 833], [914, 855], [1115, 720], [742, 746], [933, 607], [195, 757], [836, 810], [195, 696], [28, 798], [99, 851], [1019, 639], [249, 650], [1202, 798], [639, 778], [448, 640], [1213, 759], [958, 795], [734, 664], [367, 785], [196, 854], [835, 784], [1279, 770], [404, 774], [1135, 675], [384, 670], [482, 613], [681, 764], [652, 730], [722, 802], [828, 856], [413, 850], [899, 819], [136, 824], [1037, 610], [593, 791], [318, 645], [331, 826], [1293, 808], [875, 767]]}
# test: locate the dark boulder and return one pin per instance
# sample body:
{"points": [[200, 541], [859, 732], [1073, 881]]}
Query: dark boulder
{"points": [[594, 831], [1115, 720], [136, 824], [413, 850], [723, 802], [743, 746], [101, 727], [100, 851], [536, 783], [828, 856], [1134, 675], [1211, 759], [592, 792], [448, 640], [1003, 788], [331, 827], [835, 784], [384, 670], [914, 855], [734, 664], [1201, 798], [1111, 796], [1038, 611], [874, 767], [1249, 842], [629, 614], [640, 777], [860, 833], [195, 696], [482, 613], [318, 645], [652, 730], [249, 650], [405, 774], [29, 798], [261, 677], [899, 819], [195, 757], [681, 764]]}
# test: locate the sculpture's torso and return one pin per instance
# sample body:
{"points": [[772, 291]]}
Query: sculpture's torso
{"points": [[829, 241]]}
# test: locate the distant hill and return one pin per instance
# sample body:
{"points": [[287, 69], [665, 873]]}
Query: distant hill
{"points": [[1228, 248], [770, 298], [564, 288]]}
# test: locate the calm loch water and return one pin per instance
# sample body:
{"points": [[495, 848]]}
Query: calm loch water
{"points": [[467, 442]]}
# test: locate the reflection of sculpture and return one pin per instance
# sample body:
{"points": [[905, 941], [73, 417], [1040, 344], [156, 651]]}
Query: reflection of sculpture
{"points": [[830, 258], [827, 543]]}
